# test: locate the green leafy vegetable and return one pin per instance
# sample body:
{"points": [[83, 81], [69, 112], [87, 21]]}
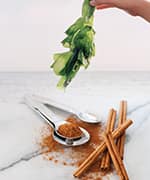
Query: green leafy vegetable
{"points": [[80, 41]]}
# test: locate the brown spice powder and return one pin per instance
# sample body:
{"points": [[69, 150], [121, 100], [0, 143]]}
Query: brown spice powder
{"points": [[70, 130], [74, 156]]}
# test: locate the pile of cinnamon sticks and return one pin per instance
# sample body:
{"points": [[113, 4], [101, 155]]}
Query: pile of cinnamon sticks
{"points": [[112, 147]]}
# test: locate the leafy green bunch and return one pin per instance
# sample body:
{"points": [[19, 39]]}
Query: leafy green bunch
{"points": [[80, 42]]}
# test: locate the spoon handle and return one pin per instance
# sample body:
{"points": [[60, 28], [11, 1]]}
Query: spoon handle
{"points": [[43, 111], [56, 104]]}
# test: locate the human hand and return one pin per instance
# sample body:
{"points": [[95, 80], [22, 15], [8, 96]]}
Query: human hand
{"points": [[131, 6]]}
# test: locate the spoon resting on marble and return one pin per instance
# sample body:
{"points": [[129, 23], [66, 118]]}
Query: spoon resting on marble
{"points": [[83, 116], [56, 124]]}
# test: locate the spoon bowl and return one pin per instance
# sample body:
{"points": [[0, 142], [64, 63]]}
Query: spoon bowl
{"points": [[84, 138], [88, 118]]}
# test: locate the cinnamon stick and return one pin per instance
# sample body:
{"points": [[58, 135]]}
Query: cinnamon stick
{"points": [[105, 161], [120, 122], [123, 137], [114, 153], [122, 119], [97, 152]]}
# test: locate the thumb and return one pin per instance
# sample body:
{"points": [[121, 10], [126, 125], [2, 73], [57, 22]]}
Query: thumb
{"points": [[104, 6]]}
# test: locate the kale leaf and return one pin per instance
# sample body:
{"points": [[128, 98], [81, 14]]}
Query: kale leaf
{"points": [[80, 42]]}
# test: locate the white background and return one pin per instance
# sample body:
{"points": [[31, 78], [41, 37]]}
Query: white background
{"points": [[31, 31]]}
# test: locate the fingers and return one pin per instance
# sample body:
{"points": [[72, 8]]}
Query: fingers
{"points": [[104, 6], [124, 5], [101, 4]]}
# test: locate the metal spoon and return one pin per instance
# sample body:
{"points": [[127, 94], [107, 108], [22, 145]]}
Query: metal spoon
{"points": [[86, 117], [54, 122]]}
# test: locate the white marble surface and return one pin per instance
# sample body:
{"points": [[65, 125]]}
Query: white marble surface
{"points": [[96, 92]]}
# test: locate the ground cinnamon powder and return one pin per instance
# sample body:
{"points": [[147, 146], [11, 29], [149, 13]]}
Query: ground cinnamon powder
{"points": [[70, 130], [74, 156]]}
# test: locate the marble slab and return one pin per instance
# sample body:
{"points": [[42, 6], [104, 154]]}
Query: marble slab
{"points": [[20, 156]]}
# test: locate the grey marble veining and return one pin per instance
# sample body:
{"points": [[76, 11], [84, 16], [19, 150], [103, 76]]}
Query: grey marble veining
{"points": [[20, 157]]}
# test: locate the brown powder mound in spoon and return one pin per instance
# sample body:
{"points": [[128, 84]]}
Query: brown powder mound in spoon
{"points": [[70, 130], [73, 156]]}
